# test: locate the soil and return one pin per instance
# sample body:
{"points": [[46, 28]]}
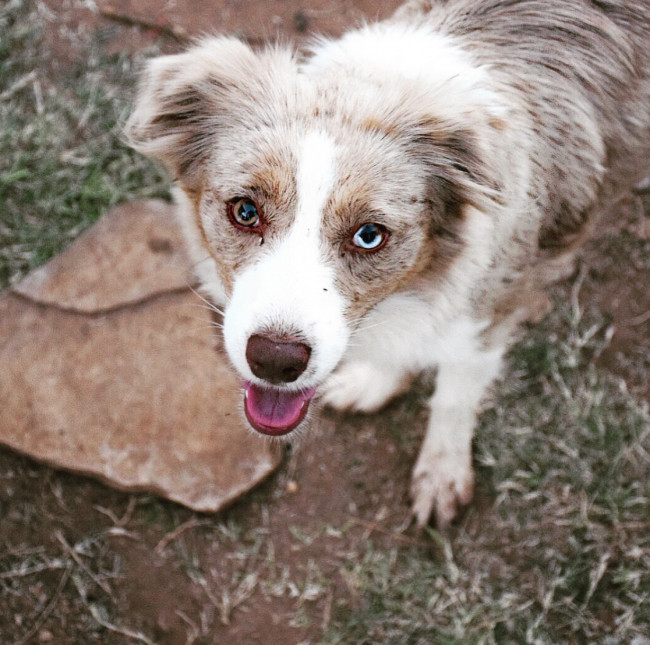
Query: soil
{"points": [[354, 473]]}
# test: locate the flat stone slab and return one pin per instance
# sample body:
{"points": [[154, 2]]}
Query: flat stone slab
{"points": [[132, 254], [111, 367]]}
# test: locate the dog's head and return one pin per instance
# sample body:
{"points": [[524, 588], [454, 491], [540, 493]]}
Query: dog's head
{"points": [[318, 193]]}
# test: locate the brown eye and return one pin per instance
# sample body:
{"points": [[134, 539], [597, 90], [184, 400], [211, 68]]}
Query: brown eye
{"points": [[244, 214], [370, 237]]}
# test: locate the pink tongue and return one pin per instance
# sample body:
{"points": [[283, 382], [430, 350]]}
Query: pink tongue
{"points": [[274, 411]]}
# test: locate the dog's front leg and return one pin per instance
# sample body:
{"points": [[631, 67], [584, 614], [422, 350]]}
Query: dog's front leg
{"points": [[443, 478]]}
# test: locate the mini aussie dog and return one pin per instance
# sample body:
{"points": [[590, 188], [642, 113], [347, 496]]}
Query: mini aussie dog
{"points": [[393, 202]]}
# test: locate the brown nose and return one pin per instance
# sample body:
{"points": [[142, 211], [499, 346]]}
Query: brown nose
{"points": [[275, 360]]}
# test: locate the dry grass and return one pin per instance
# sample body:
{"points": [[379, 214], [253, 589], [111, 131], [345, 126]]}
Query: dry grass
{"points": [[563, 555], [61, 158]]}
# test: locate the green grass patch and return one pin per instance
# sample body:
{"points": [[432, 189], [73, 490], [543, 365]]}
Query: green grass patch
{"points": [[62, 160]]}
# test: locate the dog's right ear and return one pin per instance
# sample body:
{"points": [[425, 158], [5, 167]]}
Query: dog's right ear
{"points": [[181, 101]]}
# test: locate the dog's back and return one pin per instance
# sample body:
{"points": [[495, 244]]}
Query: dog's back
{"points": [[583, 70]]}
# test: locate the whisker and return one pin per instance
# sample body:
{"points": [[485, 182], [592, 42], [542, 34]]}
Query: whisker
{"points": [[367, 327], [202, 306], [213, 326], [201, 261], [210, 325], [210, 304]]}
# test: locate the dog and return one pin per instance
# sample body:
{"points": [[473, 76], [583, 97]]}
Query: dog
{"points": [[394, 202]]}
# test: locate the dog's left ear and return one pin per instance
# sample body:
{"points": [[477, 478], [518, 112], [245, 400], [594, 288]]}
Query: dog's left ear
{"points": [[459, 171], [184, 101]]}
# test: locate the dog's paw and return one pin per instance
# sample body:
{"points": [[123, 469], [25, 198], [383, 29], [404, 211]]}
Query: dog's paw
{"points": [[361, 387], [441, 485]]}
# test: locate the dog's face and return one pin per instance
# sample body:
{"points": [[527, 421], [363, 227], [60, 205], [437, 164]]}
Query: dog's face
{"points": [[316, 198]]}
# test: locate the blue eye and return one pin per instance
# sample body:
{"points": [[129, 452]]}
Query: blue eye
{"points": [[370, 237], [244, 213]]}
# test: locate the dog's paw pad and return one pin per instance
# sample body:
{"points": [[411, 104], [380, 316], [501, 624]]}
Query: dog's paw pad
{"points": [[441, 486], [359, 387]]}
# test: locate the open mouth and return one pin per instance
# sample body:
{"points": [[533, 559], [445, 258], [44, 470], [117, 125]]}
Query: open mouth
{"points": [[274, 411]]}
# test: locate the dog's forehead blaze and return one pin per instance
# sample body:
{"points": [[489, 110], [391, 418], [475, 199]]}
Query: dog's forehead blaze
{"points": [[316, 170]]}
